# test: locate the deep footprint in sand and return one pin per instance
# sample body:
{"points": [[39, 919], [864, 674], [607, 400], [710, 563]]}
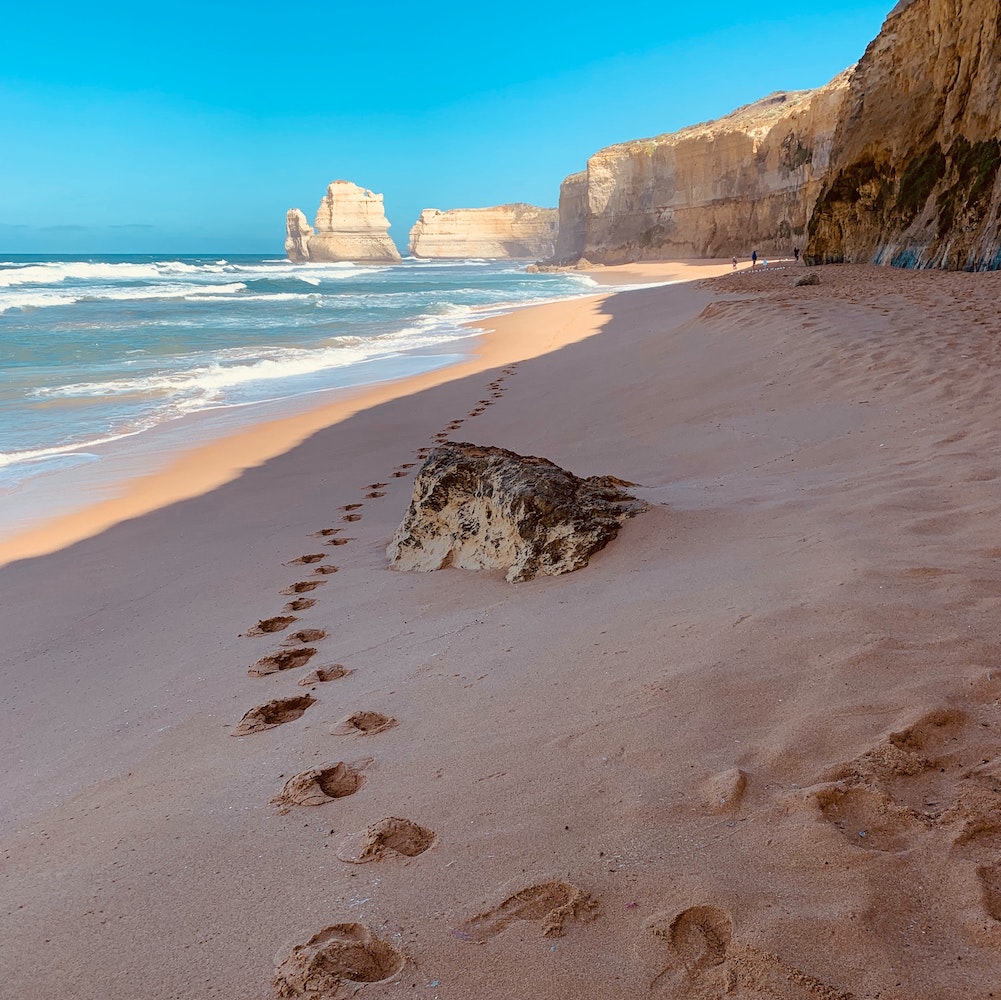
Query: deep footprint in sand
{"points": [[400, 475], [336, 962], [268, 625], [364, 724], [306, 560], [305, 635], [274, 713], [374, 495], [867, 818], [302, 587], [325, 570], [351, 517], [324, 532], [374, 486], [351, 506], [552, 904], [319, 785], [389, 836], [300, 604], [289, 659], [340, 541], [321, 675]]}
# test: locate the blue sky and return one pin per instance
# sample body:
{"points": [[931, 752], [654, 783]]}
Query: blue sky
{"points": [[192, 127]]}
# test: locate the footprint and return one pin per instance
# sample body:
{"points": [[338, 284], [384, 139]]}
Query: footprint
{"points": [[324, 532], [336, 962], [374, 495], [700, 936], [323, 674], [325, 570], [340, 541], [289, 659], [550, 903], [305, 635], [401, 836], [274, 713], [933, 732], [724, 792], [866, 817], [407, 465], [302, 587], [266, 625], [352, 506], [399, 475], [319, 785], [364, 724], [351, 517], [306, 560], [375, 486], [301, 604]]}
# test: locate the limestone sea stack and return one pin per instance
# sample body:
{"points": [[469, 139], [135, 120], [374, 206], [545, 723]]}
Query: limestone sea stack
{"points": [[502, 232], [745, 181], [350, 225], [914, 178]]}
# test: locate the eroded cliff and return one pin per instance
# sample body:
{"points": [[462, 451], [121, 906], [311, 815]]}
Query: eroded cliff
{"points": [[745, 181], [504, 231], [914, 167], [350, 224]]}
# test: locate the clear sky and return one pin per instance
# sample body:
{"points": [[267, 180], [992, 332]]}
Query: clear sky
{"points": [[192, 126]]}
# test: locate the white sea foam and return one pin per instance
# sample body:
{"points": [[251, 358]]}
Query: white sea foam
{"points": [[36, 299]]}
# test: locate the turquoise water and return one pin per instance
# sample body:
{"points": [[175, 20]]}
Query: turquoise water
{"points": [[93, 349]]}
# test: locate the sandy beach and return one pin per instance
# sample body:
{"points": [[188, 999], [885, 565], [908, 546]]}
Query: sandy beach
{"points": [[753, 750]]}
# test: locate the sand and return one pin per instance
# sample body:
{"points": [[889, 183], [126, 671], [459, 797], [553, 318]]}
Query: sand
{"points": [[752, 750]]}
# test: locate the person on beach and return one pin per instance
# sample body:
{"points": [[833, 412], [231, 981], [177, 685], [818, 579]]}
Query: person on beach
{"points": [[754, 257], [795, 253], [735, 263]]}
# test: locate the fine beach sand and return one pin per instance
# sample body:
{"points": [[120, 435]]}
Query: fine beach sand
{"points": [[753, 750]]}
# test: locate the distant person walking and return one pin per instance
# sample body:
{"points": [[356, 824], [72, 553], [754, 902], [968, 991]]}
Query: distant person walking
{"points": [[735, 263], [795, 253], [754, 257]]}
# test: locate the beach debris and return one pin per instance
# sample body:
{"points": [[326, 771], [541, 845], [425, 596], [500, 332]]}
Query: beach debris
{"points": [[808, 279], [476, 507], [335, 962], [323, 674], [550, 903], [365, 724], [273, 713], [319, 785], [389, 835], [288, 659]]}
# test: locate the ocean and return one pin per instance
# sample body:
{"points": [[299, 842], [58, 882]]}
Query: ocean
{"points": [[101, 348]]}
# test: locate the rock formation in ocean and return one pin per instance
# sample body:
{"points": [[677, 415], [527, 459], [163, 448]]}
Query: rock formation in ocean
{"points": [[914, 177], [350, 224], [479, 507], [747, 181], [504, 231]]}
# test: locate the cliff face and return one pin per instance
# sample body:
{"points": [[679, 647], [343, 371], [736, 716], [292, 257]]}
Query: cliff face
{"points": [[914, 169], [503, 231], [350, 224], [573, 217], [746, 181]]}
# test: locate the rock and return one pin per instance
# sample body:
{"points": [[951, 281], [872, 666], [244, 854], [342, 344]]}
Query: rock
{"points": [[915, 161], [717, 189], [808, 279], [297, 234], [350, 225], [479, 507], [505, 231]]}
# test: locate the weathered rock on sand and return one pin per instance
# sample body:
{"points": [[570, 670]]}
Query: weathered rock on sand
{"points": [[914, 167], [350, 225], [747, 180], [504, 231], [479, 507]]}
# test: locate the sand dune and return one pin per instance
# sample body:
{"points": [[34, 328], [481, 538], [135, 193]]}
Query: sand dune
{"points": [[753, 750]]}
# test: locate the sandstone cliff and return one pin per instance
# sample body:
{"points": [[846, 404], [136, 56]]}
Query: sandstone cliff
{"points": [[745, 181], [914, 168], [504, 231], [478, 507], [350, 224]]}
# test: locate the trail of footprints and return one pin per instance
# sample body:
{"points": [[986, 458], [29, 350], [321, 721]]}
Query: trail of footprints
{"points": [[692, 950]]}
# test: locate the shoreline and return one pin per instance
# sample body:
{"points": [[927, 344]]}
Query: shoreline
{"points": [[185, 469]]}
